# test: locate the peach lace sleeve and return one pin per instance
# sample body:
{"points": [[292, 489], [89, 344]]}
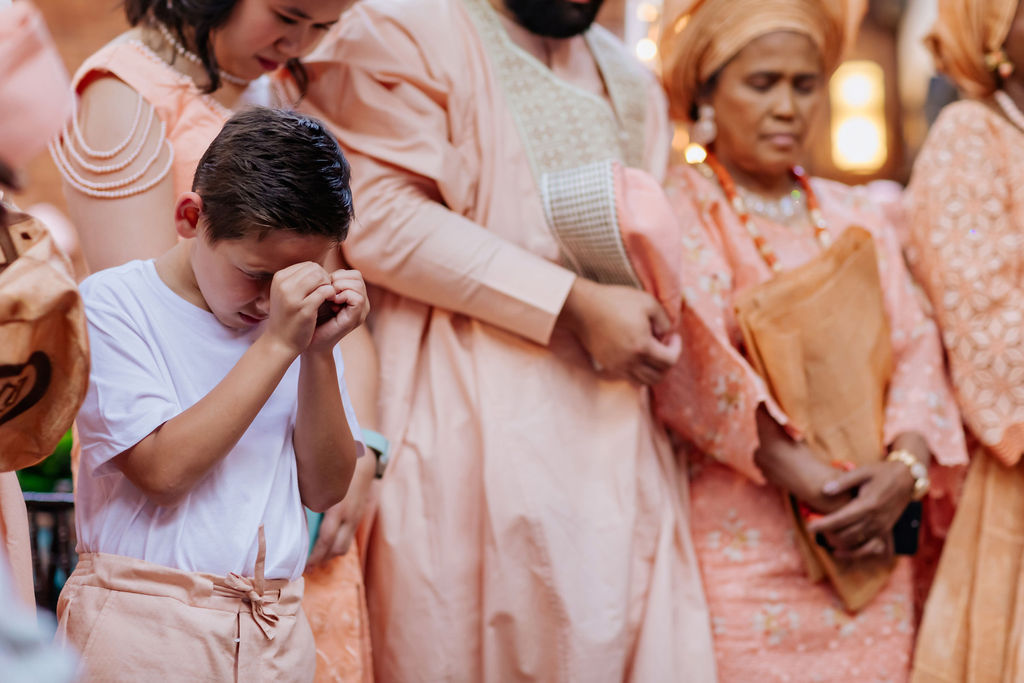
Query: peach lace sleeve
{"points": [[966, 246], [712, 394]]}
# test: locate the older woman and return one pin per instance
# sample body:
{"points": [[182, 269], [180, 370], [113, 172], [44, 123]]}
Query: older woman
{"points": [[966, 205], [750, 74]]}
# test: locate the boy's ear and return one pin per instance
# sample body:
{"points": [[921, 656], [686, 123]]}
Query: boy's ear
{"points": [[186, 214]]}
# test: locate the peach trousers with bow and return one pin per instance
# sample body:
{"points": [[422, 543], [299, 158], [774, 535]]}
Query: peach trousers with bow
{"points": [[133, 620]]}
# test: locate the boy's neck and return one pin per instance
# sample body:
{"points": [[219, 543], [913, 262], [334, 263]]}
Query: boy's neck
{"points": [[175, 269]]}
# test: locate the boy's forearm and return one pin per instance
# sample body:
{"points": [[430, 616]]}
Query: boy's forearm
{"points": [[325, 450], [168, 463]]}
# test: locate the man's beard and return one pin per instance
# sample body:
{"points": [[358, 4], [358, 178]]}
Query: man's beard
{"points": [[554, 18]]}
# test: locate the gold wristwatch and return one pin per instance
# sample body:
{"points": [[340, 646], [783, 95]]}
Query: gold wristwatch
{"points": [[918, 470]]}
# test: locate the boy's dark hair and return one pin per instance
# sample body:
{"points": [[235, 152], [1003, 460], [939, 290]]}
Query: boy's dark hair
{"points": [[271, 169], [201, 17]]}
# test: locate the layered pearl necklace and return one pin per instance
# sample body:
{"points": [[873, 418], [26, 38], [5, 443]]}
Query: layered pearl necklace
{"points": [[187, 54], [1010, 109]]}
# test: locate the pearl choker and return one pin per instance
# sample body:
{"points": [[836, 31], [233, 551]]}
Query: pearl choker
{"points": [[187, 54], [783, 210]]}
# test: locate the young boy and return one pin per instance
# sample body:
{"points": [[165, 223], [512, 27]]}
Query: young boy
{"points": [[216, 409]]}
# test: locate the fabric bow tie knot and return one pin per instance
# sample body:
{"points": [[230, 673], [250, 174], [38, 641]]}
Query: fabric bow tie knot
{"points": [[260, 605]]}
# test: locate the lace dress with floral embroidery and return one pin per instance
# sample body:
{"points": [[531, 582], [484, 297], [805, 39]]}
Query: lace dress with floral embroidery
{"points": [[770, 622]]}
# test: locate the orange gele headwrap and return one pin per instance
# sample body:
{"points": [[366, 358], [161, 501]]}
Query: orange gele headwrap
{"points": [[700, 36], [965, 36]]}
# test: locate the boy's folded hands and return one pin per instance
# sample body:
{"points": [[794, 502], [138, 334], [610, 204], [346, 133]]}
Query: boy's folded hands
{"points": [[297, 294], [352, 304]]}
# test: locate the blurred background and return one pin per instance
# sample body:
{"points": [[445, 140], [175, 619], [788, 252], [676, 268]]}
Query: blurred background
{"points": [[880, 101]]}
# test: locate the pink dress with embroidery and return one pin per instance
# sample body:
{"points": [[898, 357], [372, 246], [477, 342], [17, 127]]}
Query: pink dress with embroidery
{"points": [[770, 622]]}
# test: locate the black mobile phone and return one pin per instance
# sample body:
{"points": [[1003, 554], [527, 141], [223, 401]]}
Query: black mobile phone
{"points": [[907, 532]]}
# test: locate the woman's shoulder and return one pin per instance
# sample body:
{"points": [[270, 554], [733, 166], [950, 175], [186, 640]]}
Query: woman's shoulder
{"points": [[965, 127], [876, 205], [969, 142], [965, 114], [125, 58], [693, 181]]}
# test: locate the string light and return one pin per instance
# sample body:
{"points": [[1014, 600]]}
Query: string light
{"points": [[642, 29], [646, 49]]}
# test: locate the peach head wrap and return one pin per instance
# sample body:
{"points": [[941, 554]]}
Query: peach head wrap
{"points": [[964, 35], [700, 36]]}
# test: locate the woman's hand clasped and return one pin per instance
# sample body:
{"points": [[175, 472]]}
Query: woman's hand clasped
{"points": [[863, 527]]}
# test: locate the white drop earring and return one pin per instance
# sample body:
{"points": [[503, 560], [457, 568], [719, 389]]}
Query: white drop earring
{"points": [[704, 129]]}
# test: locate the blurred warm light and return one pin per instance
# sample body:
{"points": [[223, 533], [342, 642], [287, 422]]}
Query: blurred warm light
{"points": [[647, 12], [860, 143], [646, 49], [857, 90], [695, 154], [642, 30], [859, 135]]}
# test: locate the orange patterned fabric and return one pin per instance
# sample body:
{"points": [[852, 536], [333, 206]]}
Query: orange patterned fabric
{"points": [[335, 604], [966, 247]]}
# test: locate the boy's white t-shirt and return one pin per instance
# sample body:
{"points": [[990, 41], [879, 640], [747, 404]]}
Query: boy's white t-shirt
{"points": [[153, 356]]}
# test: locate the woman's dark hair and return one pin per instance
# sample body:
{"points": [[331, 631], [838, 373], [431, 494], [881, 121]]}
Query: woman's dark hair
{"points": [[8, 178], [202, 17], [273, 169]]}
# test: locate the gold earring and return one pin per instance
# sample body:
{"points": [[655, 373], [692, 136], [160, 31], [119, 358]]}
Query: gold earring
{"points": [[998, 61]]}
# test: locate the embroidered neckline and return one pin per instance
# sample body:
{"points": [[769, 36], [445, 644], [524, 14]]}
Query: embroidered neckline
{"points": [[546, 72]]}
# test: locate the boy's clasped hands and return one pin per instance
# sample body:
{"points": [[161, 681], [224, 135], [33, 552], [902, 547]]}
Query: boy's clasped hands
{"points": [[297, 294]]}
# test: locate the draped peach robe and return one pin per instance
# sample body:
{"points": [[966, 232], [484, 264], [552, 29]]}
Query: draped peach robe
{"points": [[770, 623], [966, 247], [532, 521]]}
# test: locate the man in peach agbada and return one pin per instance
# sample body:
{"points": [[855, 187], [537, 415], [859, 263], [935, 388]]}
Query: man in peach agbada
{"points": [[532, 525]]}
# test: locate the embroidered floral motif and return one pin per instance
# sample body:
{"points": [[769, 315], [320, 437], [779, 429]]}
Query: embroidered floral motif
{"points": [[837, 618], [728, 393], [734, 538], [900, 614], [776, 621]]}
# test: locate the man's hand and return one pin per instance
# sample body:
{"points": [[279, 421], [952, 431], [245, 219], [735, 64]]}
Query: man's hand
{"points": [[339, 524], [352, 304], [625, 330]]}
